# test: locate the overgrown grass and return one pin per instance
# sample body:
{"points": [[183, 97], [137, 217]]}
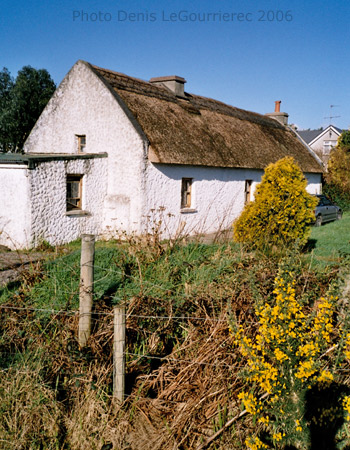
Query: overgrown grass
{"points": [[121, 273], [181, 373]]}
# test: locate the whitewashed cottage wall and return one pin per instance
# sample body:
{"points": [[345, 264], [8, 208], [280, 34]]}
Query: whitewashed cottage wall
{"points": [[314, 183], [49, 219], [83, 105], [217, 195], [15, 211]]}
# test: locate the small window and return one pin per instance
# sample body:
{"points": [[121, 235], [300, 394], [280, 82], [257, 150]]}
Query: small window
{"points": [[81, 143], [248, 191], [327, 146], [186, 187], [74, 192]]}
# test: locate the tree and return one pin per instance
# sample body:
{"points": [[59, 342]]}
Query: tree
{"points": [[6, 86], [21, 103], [337, 185], [344, 140], [282, 210]]}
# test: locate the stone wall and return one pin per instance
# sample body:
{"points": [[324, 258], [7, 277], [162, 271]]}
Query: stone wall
{"points": [[49, 217]]}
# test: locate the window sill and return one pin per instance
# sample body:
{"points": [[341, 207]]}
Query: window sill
{"points": [[188, 210], [78, 212]]}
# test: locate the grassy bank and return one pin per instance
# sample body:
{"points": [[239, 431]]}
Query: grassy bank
{"points": [[182, 376]]}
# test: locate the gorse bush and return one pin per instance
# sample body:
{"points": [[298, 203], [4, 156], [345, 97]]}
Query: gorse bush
{"points": [[282, 210], [293, 359]]}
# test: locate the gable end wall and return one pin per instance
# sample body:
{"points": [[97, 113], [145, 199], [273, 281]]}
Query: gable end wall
{"points": [[84, 105]]}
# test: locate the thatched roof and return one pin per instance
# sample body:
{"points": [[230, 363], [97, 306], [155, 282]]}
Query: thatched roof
{"points": [[200, 131]]}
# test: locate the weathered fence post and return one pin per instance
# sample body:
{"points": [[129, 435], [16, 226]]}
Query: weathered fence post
{"points": [[86, 287], [119, 353]]}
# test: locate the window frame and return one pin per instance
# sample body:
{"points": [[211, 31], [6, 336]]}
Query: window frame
{"points": [[248, 191], [81, 145], [186, 193], [71, 207]]}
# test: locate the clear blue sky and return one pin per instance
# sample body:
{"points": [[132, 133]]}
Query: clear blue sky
{"points": [[295, 51]]}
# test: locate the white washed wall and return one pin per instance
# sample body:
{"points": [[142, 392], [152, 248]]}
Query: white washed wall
{"points": [[130, 187], [82, 104], [314, 183], [14, 206], [48, 200], [217, 196]]}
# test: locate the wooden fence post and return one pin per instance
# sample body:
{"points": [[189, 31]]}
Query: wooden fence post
{"points": [[86, 287], [119, 353]]}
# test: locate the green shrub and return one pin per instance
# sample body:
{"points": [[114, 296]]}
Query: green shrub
{"points": [[344, 140], [282, 210], [338, 195], [337, 186]]}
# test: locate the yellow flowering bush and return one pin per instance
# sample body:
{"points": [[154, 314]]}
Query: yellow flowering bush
{"points": [[282, 210], [285, 358]]}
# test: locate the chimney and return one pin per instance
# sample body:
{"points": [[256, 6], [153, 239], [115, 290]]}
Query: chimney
{"points": [[281, 117], [173, 82]]}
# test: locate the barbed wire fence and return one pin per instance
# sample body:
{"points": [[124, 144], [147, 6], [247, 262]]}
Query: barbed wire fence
{"points": [[87, 283], [119, 317]]}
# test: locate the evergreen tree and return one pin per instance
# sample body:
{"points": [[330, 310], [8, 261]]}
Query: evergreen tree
{"points": [[21, 103]]}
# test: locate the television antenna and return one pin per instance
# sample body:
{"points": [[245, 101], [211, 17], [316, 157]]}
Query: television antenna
{"points": [[330, 117]]}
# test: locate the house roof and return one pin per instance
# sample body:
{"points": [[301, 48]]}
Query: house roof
{"points": [[311, 135], [195, 130], [308, 135]]}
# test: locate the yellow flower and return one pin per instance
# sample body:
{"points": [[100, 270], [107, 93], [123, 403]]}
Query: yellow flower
{"points": [[254, 443], [325, 377], [346, 406], [280, 356], [277, 436], [298, 426]]}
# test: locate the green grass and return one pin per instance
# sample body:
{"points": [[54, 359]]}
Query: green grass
{"points": [[195, 280], [330, 243], [123, 270]]}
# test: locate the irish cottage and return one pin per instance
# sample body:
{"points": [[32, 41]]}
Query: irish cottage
{"points": [[111, 152]]}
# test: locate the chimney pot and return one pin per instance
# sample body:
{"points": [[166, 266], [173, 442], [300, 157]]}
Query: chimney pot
{"points": [[281, 117]]}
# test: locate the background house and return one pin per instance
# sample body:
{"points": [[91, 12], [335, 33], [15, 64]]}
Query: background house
{"points": [[111, 152], [321, 141]]}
